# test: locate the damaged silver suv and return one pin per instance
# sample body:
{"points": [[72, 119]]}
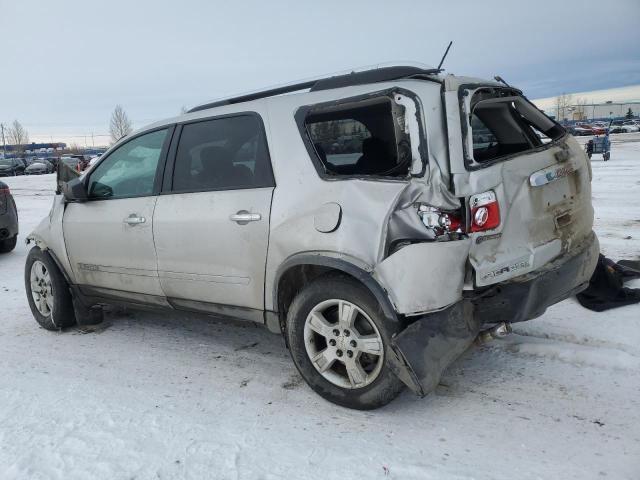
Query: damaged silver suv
{"points": [[379, 220]]}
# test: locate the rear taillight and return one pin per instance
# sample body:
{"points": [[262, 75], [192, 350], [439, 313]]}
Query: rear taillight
{"points": [[4, 191], [485, 211], [440, 222]]}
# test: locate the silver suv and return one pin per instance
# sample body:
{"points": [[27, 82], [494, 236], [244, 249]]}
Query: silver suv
{"points": [[378, 220]]}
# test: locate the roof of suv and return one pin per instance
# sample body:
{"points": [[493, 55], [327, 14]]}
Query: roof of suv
{"points": [[368, 76], [363, 77]]}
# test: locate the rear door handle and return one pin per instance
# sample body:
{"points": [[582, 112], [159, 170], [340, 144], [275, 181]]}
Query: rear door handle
{"points": [[134, 219], [243, 217]]}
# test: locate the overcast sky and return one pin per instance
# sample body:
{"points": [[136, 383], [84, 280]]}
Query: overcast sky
{"points": [[67, 63]]}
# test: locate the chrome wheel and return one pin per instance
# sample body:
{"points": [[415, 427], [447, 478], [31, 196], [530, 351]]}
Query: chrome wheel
{"points": [[343, 344], [41, 289]]}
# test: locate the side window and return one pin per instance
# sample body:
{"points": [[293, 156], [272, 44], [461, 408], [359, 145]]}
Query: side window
{"points": [[222, 154], [339, 142], [130, 170], [361, 138]]}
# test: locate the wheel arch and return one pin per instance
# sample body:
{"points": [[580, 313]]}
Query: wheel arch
{"points": [[301, 269]]}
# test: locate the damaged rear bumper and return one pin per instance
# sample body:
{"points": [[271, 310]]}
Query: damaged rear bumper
{"points": [[425, 348]]}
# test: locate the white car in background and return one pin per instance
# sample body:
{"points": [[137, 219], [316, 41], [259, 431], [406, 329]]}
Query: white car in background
{"points": [[623, 126]]}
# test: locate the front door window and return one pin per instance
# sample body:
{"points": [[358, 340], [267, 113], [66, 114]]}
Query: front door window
{"points": [[130, 170]]}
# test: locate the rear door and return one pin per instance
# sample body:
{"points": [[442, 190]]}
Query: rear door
{"points": [[211, 223], [533, 178]]}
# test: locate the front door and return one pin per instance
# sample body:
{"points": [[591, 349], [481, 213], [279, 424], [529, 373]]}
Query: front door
{"points": [[109, 238], [211, 226]]}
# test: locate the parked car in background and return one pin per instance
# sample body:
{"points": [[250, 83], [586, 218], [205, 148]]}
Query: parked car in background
{"points": [[53, 161], [590, 129], [599, 128], [380, 264], [82, 160], [623, 126], [8, 220], [10, 167], [580, 131], [39, 168]]}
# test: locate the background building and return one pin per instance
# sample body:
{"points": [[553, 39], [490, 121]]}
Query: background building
{"points": [[610, 104]]}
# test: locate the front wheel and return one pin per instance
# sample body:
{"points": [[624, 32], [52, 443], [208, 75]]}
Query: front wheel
{"points": [[340, 342], [47, 291]]}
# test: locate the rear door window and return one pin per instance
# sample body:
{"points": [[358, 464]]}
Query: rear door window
{"points": [[222, 154]]}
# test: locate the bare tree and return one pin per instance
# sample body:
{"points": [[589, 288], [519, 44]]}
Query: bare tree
{"points": [[17, 136], [120, 125], [563, 104], [580, 111]]}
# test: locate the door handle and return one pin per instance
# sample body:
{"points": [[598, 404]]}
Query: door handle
{"points": [[134, 219], [243, 217]]}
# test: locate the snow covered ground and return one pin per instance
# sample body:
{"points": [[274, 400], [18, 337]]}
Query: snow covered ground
{"points": [[173, 396]]}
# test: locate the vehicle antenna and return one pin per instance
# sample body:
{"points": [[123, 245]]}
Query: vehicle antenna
{"points": [[498, 78], [444, 56]]}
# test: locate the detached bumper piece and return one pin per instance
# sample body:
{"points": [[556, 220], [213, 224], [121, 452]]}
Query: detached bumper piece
{"points": [[429, 345], [424, 349]]}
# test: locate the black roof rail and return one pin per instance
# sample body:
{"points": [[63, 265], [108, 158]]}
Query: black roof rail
{"points": [[376, 75]]}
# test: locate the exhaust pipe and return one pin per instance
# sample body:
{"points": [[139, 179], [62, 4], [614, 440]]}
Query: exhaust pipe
{"points": [[500, 330]]}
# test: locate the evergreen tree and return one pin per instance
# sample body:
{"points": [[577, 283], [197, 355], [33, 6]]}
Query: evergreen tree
{"points": [[629, 113]]}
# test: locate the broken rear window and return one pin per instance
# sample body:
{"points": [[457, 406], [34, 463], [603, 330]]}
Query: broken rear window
{"points": [[364, 137], [503, 123]]}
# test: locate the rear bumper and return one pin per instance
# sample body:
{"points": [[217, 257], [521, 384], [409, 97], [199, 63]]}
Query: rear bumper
{"points": [[424, 349], [528, 297]]}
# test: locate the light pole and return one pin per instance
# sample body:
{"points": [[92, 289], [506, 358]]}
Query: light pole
{"points": [[4, 145]]}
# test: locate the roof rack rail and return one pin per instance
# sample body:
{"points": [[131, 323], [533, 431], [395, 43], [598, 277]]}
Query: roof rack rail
{"points": [[375, 75]]}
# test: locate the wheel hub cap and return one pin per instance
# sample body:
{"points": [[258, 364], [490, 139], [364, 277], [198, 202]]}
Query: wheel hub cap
{"points": [[41, 288], [343, 344]]}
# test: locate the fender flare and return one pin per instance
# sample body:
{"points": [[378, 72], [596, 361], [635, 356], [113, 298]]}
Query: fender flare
{"points": [[350, 266], [42, 245]]}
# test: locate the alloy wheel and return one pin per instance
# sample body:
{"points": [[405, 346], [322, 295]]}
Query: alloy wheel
{"points": [[343, 344], [41, 288]]}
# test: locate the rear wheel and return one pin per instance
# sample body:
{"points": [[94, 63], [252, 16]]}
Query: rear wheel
{"points": [[8, 244], [47, 291], [339, 340]]}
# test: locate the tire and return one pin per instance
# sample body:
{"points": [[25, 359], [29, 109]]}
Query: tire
{"points": [[8, 244], [380, 385], [57, 312]]}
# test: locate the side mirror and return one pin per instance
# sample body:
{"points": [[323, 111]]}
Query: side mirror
{"points": [[74, 191]]}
